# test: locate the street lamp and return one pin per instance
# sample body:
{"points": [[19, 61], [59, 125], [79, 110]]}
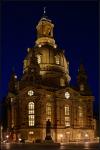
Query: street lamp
{"points": [[19, 139], [7, 136]]}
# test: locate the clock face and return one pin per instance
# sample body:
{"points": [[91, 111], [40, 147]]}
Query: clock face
{"points": [[30, 93], [67, 95]]}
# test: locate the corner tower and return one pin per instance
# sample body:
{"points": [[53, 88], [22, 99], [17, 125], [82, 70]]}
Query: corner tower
{"points": [[82, 81]]}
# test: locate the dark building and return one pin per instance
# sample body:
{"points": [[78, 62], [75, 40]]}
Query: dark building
{"points": [[44, 93]]}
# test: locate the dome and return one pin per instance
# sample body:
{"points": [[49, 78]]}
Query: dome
{"points": [[53, 65], [54, 68]]}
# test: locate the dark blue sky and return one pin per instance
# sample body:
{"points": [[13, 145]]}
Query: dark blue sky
{"points": [[76, 31]]}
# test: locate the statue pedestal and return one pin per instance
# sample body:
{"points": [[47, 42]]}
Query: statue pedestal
{"points": [[48, 139]]}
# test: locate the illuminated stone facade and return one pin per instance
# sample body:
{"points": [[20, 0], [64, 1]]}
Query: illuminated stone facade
{"points": [[44, 93]]}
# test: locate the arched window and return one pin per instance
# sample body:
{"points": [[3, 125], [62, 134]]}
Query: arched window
{"points": [[80, 116], [66, 110], [31, 113], [39, 59], [62, 82], [57, 59], [48, 111], [67, 116], [81, 87], [80, 111]]}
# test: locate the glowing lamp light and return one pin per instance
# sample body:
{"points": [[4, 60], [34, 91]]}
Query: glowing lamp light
{"points": [[15, 76], [86, 135], [19, 139], [39, 45], [61, 135], [31, 132], [55, 46], [7, 136], [67, 132]]}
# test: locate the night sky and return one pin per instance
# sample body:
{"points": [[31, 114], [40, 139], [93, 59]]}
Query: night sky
{"points": [[75, 31]]}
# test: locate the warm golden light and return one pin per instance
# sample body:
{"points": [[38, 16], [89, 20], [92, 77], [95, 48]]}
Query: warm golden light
{"points": [[48, 111], [44, 93], [80, 111], [39, 59], [7, 136], [67, 117], [67, 110], [30, 93], [31, 113], [15, 76], [67, 95], [61, 135], [31, 132], [86, 135], [39, 45], [19, 139], [57, 60], [55, 46], [62, 82], [28, 49], [86, 145], [67, 132]]}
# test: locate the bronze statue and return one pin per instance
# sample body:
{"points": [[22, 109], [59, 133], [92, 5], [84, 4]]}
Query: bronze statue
{"points": [[48, 130]]}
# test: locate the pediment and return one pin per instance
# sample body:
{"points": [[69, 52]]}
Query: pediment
{"points": [[35, 89], [73, 93]]}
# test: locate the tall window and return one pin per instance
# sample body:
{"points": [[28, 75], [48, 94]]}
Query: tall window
{"points": [[80, 111], [67, 116], [48, 111], [62, 82], [80, 114], [57, 59], [31, 113], [81, 87], [39, 59], [66, 110]]}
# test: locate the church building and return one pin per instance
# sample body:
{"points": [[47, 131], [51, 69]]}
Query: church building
{"points": [[44, 93]]}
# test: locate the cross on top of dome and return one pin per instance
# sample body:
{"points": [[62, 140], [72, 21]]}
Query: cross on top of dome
{"points": [[44, 11], [45, 17]]}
